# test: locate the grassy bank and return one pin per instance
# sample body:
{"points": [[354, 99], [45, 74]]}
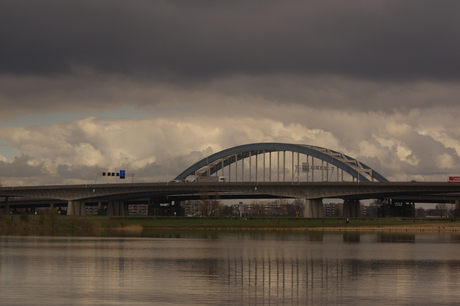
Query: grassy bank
{"points": [[293, 223], [55, 221]]}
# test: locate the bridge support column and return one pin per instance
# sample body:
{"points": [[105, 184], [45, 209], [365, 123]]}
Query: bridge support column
{"points": [[314, 208], [351, 209], [82, 208], [70, 208], [6, 209], [154, 207], [121, 208], [346, 209], [100, 209], [456, 211], [110, 210], [116, 208], [76, 208]]}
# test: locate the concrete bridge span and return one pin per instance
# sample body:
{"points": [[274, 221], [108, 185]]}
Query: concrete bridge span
{"points": [[313, 191], [251, 159]]}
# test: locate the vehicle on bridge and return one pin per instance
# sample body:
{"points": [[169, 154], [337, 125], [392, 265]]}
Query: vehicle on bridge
{"points": [[210, 179]]}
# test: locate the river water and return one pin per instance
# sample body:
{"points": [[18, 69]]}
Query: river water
{"points": [[231, 268]]}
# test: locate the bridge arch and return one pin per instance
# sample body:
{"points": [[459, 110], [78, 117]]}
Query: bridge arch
{"points": [[334, 161]]}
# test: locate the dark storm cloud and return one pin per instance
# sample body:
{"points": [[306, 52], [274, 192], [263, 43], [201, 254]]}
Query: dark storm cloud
{"points": [[402, 40]]}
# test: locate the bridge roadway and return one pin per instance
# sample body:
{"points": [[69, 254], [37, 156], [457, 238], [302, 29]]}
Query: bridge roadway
{"points": [[313, 192]]}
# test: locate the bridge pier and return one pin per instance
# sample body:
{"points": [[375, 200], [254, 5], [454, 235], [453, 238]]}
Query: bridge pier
{"points": [[76, 208], [110, 209], [7, 207], [314, 208], [351, 209], [100, 209], [457, 209], [121, 208], [70, 208], [154, 208], [115, 208], [82, 208]]}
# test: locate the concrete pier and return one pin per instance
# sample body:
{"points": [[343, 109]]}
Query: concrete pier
{"points": [[7, 207], [351, 209], [116, 208], [314, 208], [110, 209], [76, 208], [70, 208]]}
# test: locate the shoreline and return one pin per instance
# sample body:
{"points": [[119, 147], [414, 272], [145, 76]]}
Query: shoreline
{"points": [[95, 223], [452, 229]]}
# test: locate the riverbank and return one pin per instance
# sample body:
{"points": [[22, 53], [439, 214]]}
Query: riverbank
{"points": [[139, 223]]}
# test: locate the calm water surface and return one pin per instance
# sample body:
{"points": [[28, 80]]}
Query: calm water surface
{"points": [[231, 268]]}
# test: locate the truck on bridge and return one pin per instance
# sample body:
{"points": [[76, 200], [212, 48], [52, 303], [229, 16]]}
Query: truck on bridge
{"points": [[210, 179]]}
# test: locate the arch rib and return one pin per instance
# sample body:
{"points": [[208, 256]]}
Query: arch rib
{"points": [[224, 158]]}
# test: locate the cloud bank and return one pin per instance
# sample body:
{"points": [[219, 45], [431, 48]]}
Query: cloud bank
{"points": [[153, 86]]}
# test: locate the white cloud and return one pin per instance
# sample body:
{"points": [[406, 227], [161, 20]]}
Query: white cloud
{"points": [[445, 161], [155, 145]]}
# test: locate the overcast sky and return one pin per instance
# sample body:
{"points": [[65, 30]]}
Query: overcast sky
{"points": [[153, 86]]}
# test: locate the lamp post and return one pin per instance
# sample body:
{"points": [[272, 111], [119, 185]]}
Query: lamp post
{"points": [[430, 167], [167, 168]]}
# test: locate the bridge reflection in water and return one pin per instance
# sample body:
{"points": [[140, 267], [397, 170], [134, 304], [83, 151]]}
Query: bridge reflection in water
{"points": [[225, 269], [293, 280]]}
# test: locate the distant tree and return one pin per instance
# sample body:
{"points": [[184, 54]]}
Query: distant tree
{"points": [[226, 210], [203, 208], [208, 207], [257, 209], [24, 216], [215, 205], [420, 212], [281, 207], [296, 206], [373, 209], [442, 209]]}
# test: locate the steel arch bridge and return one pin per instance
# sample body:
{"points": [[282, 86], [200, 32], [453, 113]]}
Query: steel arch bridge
{"points": [[334, 160]]}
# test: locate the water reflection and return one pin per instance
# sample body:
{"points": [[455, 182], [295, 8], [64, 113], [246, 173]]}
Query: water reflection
{"points": [[396, 237], [213, 268], [351, 237]]}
